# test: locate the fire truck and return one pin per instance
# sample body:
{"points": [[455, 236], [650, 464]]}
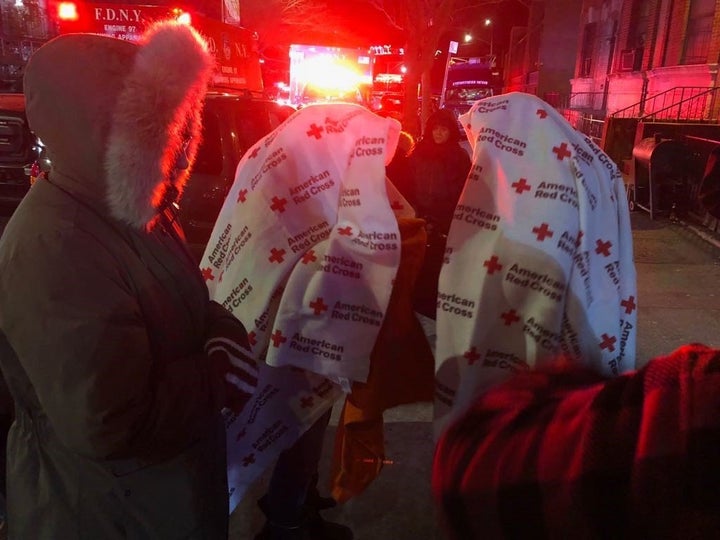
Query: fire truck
{"points": [[235, 114], [321, 74], [235, 48]]}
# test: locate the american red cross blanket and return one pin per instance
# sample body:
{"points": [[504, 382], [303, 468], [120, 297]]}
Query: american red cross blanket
{"points": [[563, 452], [538, 261], [304, 253]]}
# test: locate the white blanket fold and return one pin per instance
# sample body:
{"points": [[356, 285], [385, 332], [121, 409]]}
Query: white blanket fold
{"points": [[539, 256], [304, 253]]}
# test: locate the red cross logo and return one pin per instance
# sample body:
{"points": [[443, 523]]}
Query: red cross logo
{"points": [[277, 338], [278, 204], [510, 317], [318, 306], [603, 248], [471, 356], [242, 195], [252, 338], [629, 305], [562, 151], [207, 274], [345, 231], [306, 402], [278, 255], [578, 240], [315, 131], [255, 152], [608, 342], [542, 113], [241, 434], [309, 257], [396, 205], [542, 232], [492, 264], [520, 186], [248, 460]]}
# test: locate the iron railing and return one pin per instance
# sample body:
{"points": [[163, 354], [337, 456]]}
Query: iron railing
{"points": [[694, 100], [701, 107]]}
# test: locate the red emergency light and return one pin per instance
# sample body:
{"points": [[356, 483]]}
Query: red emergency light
{"points": [[67, 11]]}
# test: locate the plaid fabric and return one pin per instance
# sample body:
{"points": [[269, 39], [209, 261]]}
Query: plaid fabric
{"points": [[563, 453]]}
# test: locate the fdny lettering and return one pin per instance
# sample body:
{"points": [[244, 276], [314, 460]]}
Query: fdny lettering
{"points": [[117, 14]]}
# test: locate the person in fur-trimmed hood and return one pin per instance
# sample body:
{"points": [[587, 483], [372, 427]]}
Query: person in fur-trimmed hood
{"points": [[104, 317]]}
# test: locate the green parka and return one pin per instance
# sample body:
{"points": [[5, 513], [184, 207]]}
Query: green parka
{"points": [[103, 314]]}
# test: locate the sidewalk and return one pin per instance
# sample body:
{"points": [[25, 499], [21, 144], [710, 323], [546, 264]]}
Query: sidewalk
{"points": [[678, 268], [678, 302]]}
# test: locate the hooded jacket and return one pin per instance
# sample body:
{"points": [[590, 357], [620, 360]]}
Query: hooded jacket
{"points": [[103, 314], [438, 171]]}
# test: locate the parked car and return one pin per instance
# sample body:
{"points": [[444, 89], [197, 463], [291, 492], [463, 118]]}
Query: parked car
{"points": [[19, 149], [232, 123]]}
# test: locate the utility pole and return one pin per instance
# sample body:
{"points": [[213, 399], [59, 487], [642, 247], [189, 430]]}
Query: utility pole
{"points": [[452, 49]]}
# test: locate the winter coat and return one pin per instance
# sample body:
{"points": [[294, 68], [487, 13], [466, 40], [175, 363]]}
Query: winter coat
{"points": [[438, 175], [102, 311]]}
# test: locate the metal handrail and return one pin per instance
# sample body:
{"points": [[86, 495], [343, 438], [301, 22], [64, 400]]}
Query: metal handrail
{"points": [[666, 99], [697, 107]]}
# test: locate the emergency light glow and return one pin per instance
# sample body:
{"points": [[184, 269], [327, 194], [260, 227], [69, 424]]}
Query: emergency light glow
{"points": [[67, 11], [330, 74], [183, 17]]}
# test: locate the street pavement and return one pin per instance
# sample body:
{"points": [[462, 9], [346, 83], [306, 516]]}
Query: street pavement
{"points": [[678, 302]]}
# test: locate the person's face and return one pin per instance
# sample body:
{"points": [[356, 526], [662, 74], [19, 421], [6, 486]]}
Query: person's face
{"points": [[440, 134]]}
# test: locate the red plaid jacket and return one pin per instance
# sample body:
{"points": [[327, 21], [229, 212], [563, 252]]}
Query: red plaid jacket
{"points": [[565, 454]]}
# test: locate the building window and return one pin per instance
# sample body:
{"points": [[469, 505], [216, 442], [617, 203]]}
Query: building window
{"points": [[639, 17], [587, 50], [698, 32]]}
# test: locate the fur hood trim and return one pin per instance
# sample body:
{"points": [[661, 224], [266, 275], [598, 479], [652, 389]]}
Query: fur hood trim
{"points": [[158, 108]]}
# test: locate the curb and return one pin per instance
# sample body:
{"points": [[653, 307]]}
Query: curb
{"points": [[704, 235]]}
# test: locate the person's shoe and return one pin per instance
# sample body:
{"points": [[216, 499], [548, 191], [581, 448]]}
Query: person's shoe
{"points": [[314, 528]]}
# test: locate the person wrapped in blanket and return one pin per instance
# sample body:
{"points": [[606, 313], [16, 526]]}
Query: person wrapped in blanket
{"points": [[563, 452], [539, 267]]}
